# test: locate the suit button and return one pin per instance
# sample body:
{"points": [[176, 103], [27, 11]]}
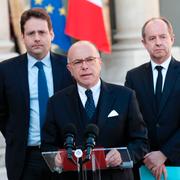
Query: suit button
{"points": [[157, 125]]}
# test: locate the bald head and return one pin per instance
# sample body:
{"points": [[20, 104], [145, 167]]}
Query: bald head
{"points": [[156, 19], [82, 49]]}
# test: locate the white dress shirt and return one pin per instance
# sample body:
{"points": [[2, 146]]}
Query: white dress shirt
{"points": [[164, 70], [95, 91]]}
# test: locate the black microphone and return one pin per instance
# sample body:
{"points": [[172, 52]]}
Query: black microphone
{"points": [[69, 133], [91, 133]]}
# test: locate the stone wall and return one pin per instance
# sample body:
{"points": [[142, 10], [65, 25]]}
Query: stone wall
{"points": [[2, 161]]}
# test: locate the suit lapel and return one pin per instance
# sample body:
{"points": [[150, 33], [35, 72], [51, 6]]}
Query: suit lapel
{"points": [[57, 72], [149, 85], [22, 76], [170, 81], [73, 99], [105, 104]]}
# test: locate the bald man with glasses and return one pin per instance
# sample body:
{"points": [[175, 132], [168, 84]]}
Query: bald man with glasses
{"points": [[92, 100]]}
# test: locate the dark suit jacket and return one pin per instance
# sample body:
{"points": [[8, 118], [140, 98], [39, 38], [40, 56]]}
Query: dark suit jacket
{"points": [[163, 126], [14, 106], [126, 129]]}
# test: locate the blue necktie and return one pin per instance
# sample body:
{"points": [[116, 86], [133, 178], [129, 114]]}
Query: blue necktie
{"points": [[158, 91], [43, 94], [89, 106]]}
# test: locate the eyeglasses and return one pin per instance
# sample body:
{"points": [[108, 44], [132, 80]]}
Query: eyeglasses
{"points": [[79, 62]]}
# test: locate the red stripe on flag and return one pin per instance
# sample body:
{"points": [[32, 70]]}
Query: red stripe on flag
{"points": [[85, 22]]}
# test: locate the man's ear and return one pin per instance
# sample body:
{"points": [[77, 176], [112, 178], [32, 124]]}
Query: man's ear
{"points": [[173, 38], [52, 34], [143, 42], [68, 66], [22, 37]]}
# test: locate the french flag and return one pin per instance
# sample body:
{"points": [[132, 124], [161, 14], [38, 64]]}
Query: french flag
{"points": [[85, 22]]}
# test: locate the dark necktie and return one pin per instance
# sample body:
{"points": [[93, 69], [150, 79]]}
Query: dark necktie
{"points": [[158, 91], [43, 94], [89, 106]]}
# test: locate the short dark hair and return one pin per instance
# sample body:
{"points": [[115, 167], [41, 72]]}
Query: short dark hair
{"points": [[36, 13], [170, 28]]}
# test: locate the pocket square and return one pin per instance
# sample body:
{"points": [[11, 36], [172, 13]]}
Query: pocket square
{"points": [[113, 113]]}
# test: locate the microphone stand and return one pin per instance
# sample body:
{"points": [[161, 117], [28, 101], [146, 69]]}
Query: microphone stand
{"points": [[93, 161], [81, 174], [91, 157], [79, 154]]}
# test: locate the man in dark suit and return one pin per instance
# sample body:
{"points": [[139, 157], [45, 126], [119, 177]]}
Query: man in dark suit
{"points": [[157, 86], [19, 96], [116, 113]]}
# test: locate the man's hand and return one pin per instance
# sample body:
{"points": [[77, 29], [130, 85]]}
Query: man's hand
{"points": [[155, 163], [58, 160], [154, 159], [113, 158], [157, 172]]}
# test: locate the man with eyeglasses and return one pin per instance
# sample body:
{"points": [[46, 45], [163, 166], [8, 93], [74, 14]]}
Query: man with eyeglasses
{"points": [[112, 108]]}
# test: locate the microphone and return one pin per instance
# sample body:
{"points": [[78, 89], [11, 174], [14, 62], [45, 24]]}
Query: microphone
{"points": [[91, 133], [69, 133]]}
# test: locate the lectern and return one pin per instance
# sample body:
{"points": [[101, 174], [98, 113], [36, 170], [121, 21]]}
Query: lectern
{"points": [[79, 163]]}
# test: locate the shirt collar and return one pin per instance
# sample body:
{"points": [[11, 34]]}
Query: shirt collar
{"points": [[165, 64], [94, 89], [46, 60]]}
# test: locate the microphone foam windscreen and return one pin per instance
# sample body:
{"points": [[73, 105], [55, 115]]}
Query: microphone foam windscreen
{"points": [[92, 129], [70, 129]]}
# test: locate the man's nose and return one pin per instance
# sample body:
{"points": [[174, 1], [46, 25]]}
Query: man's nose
{"points": [[36, 37], [158, 41], [84, 65]]}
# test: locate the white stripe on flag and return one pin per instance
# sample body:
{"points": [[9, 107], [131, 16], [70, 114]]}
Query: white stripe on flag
{"points": [[96, 2]]}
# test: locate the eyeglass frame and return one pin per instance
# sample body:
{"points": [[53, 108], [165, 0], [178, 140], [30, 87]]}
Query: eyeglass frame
{"points": [[88, 60]]}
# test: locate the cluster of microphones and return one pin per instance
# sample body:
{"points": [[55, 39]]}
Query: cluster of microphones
{"points": [[91, 134]]}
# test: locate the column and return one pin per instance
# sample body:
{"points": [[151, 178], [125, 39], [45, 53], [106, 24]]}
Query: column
{"points": [[128, 52], [6, 51], [6, 45], [2, 162], [130, 16]]}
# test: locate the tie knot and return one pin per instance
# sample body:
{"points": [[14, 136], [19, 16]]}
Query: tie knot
{"points": [[39, 65], [159, 68], [88, 93]]}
